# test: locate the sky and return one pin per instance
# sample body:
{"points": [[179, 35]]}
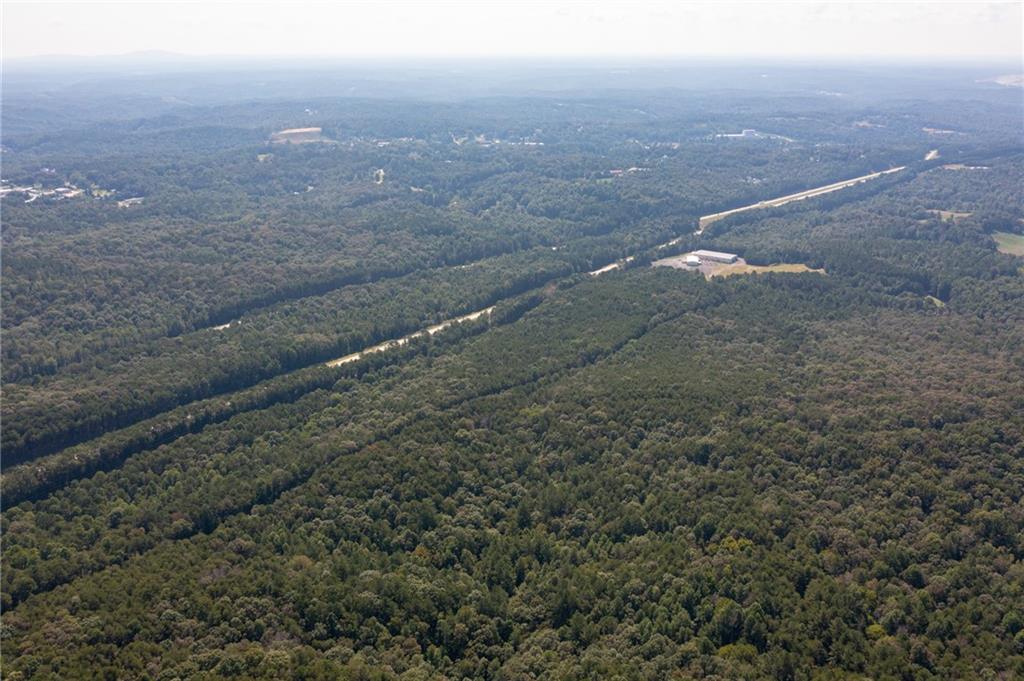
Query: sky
{"points": [[519, 28]]}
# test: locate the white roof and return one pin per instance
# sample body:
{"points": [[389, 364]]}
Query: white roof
{"points": [[713, 254]]}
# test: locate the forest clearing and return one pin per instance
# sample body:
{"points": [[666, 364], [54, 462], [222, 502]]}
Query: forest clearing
{"points": [[712, 269], [1011, 244], [742, 267]]}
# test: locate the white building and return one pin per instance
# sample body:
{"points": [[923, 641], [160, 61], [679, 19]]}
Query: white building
{"points": [[715, 256]]}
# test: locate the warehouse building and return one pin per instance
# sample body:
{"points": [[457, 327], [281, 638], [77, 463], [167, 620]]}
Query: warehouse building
{"points": [[716, 256]]}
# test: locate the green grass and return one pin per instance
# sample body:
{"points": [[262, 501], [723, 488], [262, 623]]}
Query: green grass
{"points": [[1009, 243]]}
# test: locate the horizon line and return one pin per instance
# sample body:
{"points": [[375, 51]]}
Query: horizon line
{"points": [[864, 57]]}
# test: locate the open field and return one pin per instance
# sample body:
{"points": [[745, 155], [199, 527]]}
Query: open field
{"points": [[741, 267], [1012, 244], [783, 200]]}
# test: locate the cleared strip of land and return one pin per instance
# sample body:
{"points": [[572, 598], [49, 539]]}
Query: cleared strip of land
{"points": [[398, 342], [782, 200], [611, 266]]}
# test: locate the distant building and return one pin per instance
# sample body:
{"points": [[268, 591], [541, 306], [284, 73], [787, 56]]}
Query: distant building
{"points": [[714, 256], [692, 261]]}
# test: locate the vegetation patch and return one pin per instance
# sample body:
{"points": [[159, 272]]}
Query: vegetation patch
{"points": [[1012, 244]]}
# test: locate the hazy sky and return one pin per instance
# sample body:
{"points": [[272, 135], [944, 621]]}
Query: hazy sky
{"points": [[960, 30]]}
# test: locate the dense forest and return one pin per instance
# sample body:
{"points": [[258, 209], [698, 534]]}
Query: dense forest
{"points": [[625, 472]]}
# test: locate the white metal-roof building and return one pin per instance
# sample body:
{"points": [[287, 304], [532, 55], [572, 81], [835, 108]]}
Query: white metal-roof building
{"points": [[716, 256]]}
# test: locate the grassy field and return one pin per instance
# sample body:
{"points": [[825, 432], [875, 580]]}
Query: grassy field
{"points": [[744, 268], [1009, 243]]}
